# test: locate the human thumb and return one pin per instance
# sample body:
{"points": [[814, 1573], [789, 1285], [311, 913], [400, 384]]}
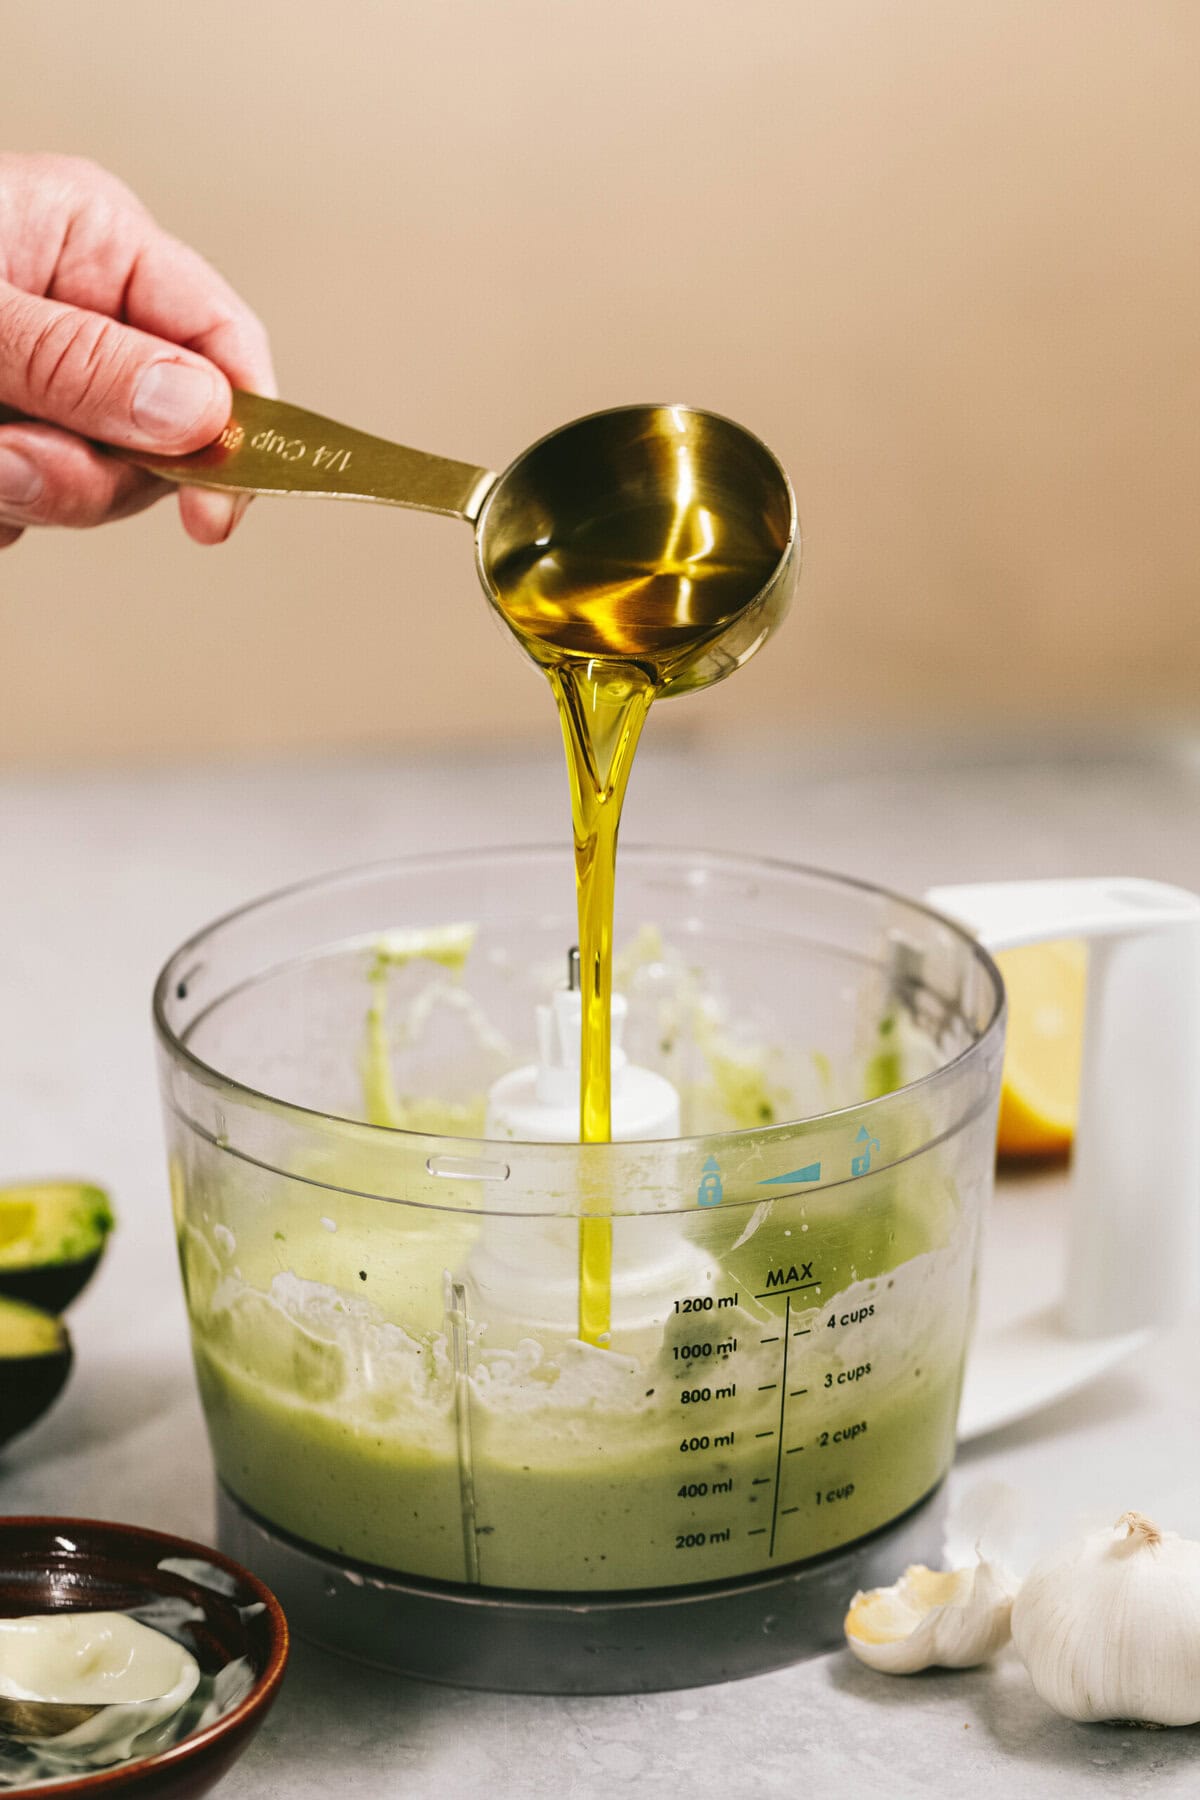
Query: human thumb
{"points": [[105, 380]]}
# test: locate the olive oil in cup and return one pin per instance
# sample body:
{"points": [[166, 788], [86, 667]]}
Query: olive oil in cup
{"points": [[670, 581]]}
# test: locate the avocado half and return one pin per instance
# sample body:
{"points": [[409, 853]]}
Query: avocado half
{"points": [[35, 1360], [52, 1235]]}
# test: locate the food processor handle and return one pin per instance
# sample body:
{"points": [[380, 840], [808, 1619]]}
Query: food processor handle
{"points": [[1134, 1246], [272, 447]]}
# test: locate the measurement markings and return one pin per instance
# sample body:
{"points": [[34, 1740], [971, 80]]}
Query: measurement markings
{"points": [[759, 1434], [798, 1287], [795, 1449], [771, 1340], [768, 1387], [761, 1481], [787, 1510], [758, 1531], [804, 1331], [796, 1393], [787, 1320]]}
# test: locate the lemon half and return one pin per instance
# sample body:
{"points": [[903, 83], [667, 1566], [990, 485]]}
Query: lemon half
{"points": [[1039, 1101]]}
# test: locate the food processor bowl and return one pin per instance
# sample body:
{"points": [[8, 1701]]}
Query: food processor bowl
{"points": [[413, 1446]]}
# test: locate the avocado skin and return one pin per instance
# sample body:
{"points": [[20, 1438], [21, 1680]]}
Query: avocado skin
{"points": [[50, 1287], [29, 1386]]}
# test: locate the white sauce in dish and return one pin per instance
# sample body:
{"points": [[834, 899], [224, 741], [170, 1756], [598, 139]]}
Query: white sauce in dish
{"points": [[95, 1659], [149, 1687]]}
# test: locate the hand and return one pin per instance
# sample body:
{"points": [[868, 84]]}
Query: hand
{"points": [[109, 330]]}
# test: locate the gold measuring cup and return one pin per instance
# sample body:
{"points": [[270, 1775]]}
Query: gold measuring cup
{"points": [[660, 533]]}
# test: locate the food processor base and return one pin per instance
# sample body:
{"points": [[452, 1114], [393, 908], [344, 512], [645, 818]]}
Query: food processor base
{"points": [[583, 1643]]}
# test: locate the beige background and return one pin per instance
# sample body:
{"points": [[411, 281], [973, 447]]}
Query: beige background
{"points": [[942, 254]]}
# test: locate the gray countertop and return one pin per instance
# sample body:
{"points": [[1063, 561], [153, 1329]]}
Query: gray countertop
{"points": [[102, 875]]}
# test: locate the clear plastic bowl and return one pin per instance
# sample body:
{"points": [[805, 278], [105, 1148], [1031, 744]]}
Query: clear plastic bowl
{"points": [[382, 1302]]}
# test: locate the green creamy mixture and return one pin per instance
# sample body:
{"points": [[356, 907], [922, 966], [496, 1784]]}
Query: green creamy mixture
{"points": [[355, 1399], [449, 946]]}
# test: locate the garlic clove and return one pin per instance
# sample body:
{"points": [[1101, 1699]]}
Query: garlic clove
{"points": [[949, 1619], [1109, 1626]]}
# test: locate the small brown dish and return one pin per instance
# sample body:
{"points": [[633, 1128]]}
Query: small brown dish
{"points": [[48, 1565]]}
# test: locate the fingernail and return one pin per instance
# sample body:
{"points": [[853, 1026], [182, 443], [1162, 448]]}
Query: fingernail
{"points": [[237, 504], [171, 398], [20, 479], [217, 514]]}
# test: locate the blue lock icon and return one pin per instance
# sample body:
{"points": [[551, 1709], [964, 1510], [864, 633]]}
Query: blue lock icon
{"points": [[861, 1164], [710, 1192]]}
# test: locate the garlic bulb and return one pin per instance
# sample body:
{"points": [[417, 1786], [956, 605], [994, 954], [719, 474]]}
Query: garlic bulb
{"points": [[932, 1619], [1109, 1627]]}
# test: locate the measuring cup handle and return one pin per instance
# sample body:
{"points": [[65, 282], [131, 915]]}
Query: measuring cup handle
{"points": [[273, 447], [1134, 1235]]}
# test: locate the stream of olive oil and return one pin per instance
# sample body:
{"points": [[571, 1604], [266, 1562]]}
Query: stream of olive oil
{"points": [[612, 613]]}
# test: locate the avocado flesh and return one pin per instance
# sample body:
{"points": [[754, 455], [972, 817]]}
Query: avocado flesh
{"points": [[35, 1360], [52, 1234]]}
